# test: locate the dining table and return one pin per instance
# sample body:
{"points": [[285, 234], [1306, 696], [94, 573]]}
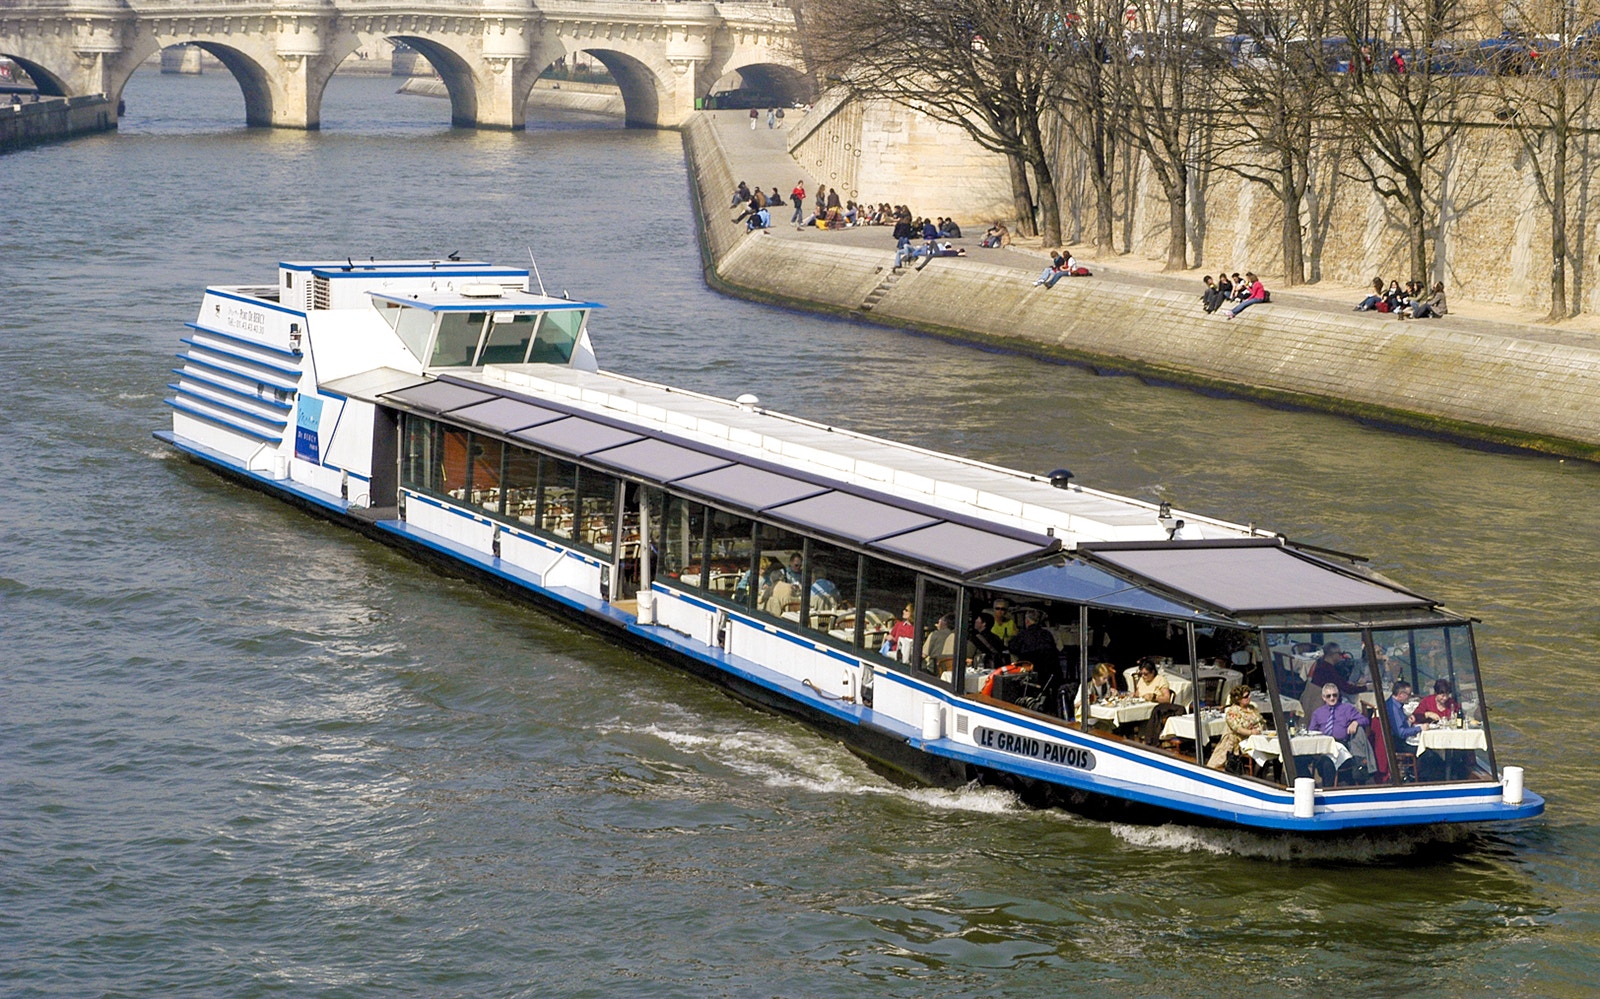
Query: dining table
{"points": [[1264, 747], [1122, 710], [1442, 739], [1182, 726]]}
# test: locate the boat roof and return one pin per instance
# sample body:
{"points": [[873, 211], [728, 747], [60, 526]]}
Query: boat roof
{"points": [[504, 300], [1009, 529]]}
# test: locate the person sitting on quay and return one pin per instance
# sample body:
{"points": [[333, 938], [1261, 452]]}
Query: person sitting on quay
{"points": [[1052, 273], [757, 202], [904, 252], [998, 237], [930, 231], [762, 219], [1372, 301], [1431, 307], [1257, 293], [741, 194], [948, 229], [1225, 286], [774, 200], [1212, 298], [1241, 288]]}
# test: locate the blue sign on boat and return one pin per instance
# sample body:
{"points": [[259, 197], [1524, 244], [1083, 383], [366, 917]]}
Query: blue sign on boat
{"points": [[307, 421]]}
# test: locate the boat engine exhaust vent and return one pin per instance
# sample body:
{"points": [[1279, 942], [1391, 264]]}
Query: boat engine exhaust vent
{"points": [[319, 292]]}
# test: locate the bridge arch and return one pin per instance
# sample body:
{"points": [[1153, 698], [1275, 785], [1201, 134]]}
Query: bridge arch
{"points": [[49, 84], [777, 83], [456, 73], [643, 91]]}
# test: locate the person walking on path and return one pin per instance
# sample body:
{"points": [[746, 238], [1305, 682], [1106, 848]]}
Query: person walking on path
{"points": [[798, 196], [772, 118], [755, 116], [1257, 294]]}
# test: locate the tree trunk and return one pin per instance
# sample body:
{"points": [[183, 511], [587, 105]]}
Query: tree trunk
{"points": [[1417, 226], [1178, 219], [1558, 227], [1102, 153], [1021, 197], [1292, 190], [1044, 183]]}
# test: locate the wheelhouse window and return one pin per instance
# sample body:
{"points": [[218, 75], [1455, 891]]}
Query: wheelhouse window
{"points": [[457, 342], [1435, 703], [508, 339], [413, 326], [557, 335]]}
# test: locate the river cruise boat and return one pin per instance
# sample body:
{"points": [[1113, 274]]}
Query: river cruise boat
{"points": [[868, 587]]}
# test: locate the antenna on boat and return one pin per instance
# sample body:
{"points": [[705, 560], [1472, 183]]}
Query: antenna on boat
{"points": [[536, 276]]}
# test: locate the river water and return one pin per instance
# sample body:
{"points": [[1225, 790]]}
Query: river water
{"points": [[244, 752]]}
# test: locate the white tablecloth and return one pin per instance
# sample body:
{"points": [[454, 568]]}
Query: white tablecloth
{"points": [[1122, 714], [1182, 726], [1263, 748], [1440, 739]]}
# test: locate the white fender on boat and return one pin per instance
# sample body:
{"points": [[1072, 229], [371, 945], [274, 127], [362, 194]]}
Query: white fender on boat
{"points": [[1305, 797], [932, 721], [1511, 786]]}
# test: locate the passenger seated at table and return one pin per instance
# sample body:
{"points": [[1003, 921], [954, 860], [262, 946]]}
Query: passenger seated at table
{"points": [[1150, 685], [777, 594], [1103, 685], [1405, 728], [1440, 706], [1334, 667], [941, 642], [1346, 724], [1242, 721], [988, 651]]}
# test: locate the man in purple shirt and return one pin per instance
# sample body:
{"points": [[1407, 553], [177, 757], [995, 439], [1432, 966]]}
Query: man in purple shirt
{"points": [[1346, 723]]}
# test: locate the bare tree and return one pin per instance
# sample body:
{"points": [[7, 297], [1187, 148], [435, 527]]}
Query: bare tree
{"points": [[1157, 59], [986, 66], [1280, 76], [1091, 104], [1546, 83], [1401, 102]]}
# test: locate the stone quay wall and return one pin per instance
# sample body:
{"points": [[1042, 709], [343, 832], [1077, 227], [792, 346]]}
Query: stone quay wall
{"points": [[1543, 395], [52, 119]]}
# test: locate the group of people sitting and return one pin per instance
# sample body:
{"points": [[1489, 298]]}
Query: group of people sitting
{"points": [[1007, 647], [758, 205], [1242, 291], [1414, 301], [1062, 264]]}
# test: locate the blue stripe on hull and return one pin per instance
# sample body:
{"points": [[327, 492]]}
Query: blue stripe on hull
{"points": [[1274, 815]]}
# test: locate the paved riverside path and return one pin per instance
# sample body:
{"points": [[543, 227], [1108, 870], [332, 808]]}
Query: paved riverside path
{"points": [[1511, 383], [761, 156]]}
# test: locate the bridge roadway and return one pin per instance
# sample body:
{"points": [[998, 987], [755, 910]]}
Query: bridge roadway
{"points": [[489, 52]]}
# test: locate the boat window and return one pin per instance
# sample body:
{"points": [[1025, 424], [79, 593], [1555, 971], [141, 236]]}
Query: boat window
{"points": [[508, 339], [388, 310], [558, 496], [682, 544], [888, 602], [1326, 683], [457, 342], [521, 485], [597, 510], [486, 456], [414, 326], [731, 546], [1440, 728], [424, 450], [830, 585], [455, 471], [782, 571], [556, 337], [937, 622]]}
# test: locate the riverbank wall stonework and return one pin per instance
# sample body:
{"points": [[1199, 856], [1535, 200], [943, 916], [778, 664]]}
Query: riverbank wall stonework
{"points": [[1533, 393], [53, 119]]}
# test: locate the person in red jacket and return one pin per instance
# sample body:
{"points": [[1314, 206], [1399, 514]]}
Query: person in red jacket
{"points": [[1257, 295]]}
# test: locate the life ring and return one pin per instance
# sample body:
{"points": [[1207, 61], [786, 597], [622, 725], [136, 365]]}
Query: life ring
{"points": [[987, 690]]}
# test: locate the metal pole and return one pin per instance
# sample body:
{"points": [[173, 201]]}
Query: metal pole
{"points": [[1194, 697], [1280, 717], [1083, 667], [646, 608]]}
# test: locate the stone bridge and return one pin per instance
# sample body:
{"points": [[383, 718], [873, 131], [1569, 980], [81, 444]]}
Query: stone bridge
{"points": [[663, 55]]}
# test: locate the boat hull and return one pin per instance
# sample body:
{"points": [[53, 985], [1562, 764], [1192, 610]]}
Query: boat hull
{"points": [[896, 748]]}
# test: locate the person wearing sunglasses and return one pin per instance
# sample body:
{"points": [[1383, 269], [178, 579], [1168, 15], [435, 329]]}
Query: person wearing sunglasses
{"points": [[1347, 724]]}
